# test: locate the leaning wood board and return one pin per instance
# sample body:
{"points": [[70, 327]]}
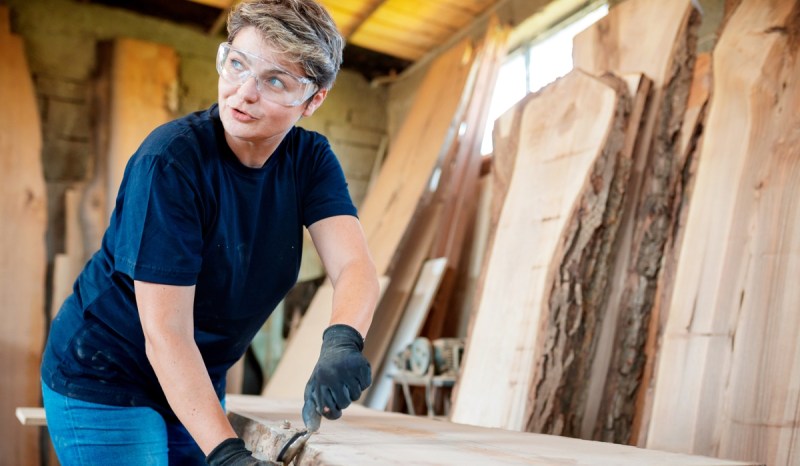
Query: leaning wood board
{"points": [[562, 132], [654, 38], [401, 187], [371, 437], [728, 380], [22, 248]]}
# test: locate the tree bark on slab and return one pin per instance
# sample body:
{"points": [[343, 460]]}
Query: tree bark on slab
{"points": [[652, 228], [689, 151], [570, 138], [663, 49], [580, 275], [727, 380]]}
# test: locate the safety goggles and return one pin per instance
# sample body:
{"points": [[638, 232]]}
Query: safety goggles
{"points": [[273, 82]]}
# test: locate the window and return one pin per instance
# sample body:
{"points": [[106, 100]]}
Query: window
{"points": [[536, 65]]}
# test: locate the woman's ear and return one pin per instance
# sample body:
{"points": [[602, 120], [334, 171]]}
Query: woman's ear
{"points": [[313, 104]]}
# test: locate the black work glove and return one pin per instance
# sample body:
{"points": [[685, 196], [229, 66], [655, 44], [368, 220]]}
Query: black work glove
{"points": [[231, 452], [339, 377]]}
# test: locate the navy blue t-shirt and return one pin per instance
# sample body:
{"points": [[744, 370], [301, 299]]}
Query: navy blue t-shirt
{"points": [[189, 213]]}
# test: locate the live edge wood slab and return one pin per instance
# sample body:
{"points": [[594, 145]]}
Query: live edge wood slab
{"points": [[368, 437]]}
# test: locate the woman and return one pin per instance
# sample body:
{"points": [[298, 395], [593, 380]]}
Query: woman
{"points": [[204, 241]]}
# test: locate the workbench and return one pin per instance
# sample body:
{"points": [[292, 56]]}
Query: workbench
{"points": [[368, 437]]}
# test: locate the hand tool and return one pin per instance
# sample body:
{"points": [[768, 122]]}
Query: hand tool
{"points": [[292, 447]]}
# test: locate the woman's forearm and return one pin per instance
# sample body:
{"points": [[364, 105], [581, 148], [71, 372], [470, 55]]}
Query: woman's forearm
{"points": [[355, 296], [167, 317], [183, 377]]}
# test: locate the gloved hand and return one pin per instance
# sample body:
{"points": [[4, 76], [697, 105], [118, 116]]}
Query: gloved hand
{"points": [[339, 377], [231, 452]]}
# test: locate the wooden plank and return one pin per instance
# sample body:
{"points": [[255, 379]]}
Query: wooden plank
{"points": [[408, 328], [460, 196], [664, 53], [690, 143], [31, 416], [579, 277], [365, 436], [22, 247], [68, 264], [402, 186], [562, 151], [727, 379]]}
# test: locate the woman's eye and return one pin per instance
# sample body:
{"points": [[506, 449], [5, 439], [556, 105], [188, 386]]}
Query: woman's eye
{"points": [[275, 82], [237, 65]]}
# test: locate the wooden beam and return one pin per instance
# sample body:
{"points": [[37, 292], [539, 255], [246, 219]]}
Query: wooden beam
{"points": [[23, 221], [365, 436]]}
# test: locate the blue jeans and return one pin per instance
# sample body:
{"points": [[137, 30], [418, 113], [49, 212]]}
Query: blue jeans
{"points": [[86, 433]]}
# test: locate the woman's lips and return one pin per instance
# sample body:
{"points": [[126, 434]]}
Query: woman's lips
{"points": [[241, 116]]}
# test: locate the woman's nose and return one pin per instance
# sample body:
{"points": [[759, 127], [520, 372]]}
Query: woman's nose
{"points": [[249, 89]]}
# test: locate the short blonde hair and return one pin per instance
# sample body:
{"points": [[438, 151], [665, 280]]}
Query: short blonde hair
{"points": [[302, 30]]}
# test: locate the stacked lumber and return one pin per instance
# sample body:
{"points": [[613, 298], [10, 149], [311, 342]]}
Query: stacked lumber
{"points": [[366, 436], [22, 248], [429, 167], [663, 49], [546, 260], [727, 381]]}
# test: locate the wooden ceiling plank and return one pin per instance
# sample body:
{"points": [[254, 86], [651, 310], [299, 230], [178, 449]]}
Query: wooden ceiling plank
{"points": [[402, 26], [388, 46], [364, 16], [472, 6], [346, 13], [400, 38], [430, 12]]}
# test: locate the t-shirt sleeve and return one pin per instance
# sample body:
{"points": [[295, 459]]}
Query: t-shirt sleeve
{"points": [[159, 230], [326, 189]]}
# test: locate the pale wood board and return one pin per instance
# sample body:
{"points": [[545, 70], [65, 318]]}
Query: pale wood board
{"points": [[31, 416], [22, 248], [68, 264], [728, 378], [407, 329], [366, 436], [420, 145], [657, 39], [401, 188], [562, 131], [459, 195]]}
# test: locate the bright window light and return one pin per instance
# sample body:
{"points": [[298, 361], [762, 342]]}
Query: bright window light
{"points": [[534, 67]]}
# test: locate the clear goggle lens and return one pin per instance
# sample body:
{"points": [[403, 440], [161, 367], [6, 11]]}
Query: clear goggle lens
{"points": [[273, 82]]}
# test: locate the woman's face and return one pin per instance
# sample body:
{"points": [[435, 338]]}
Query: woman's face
{"points": [[246, 114]]}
